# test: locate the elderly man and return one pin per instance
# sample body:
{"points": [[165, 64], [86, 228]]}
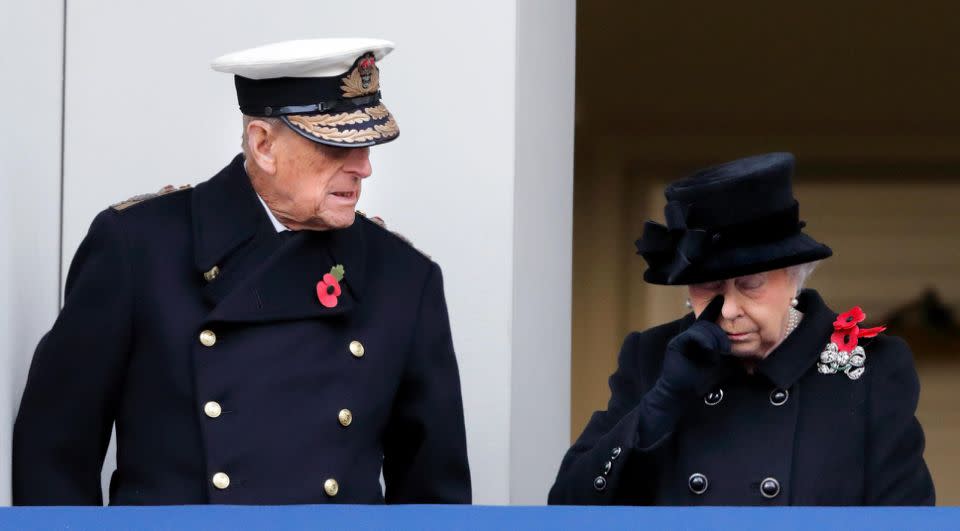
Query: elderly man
{"points": [[254, 340]]}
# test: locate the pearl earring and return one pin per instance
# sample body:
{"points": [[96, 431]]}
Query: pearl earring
{"points": [[688, 304], [794, 302]]}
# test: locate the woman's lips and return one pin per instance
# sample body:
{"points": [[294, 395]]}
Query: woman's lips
{"points": [[738, 337]]}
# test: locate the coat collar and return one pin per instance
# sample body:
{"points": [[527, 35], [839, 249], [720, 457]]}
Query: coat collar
{"points": [[801, 349], [265, 277], [226, 214]]}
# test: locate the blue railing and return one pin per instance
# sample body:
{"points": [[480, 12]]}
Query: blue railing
{"points": [[425, 517]]}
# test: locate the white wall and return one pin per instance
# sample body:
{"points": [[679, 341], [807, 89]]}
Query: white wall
{"points": [[464, 182], [31, 40], [542, 246]]}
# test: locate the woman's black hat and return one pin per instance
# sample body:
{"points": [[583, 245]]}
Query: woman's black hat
{"points": [[730, 220]]}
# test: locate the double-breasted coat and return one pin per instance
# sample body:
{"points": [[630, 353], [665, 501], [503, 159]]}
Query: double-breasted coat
{"points": [[785, 435], [196, 328]]}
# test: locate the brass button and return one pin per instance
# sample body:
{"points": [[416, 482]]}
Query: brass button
{"points": [[356, 348], [212, 409], [211, 275], [221, 480], [331, 487], [345, 417], [208, 338]]}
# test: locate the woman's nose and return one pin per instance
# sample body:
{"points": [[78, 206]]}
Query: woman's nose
{"points": [[731, 307]]}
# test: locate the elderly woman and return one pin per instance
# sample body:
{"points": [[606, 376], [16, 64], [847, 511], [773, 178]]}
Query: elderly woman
{"points": [[763, 395]]}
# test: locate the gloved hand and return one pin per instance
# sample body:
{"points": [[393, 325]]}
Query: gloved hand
{"points": [[695, 361]]}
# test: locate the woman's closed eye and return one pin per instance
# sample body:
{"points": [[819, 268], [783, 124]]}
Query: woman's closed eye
{"points": [[751, 282], [708, 287]]}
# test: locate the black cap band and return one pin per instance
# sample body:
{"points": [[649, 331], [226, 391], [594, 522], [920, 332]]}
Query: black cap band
{"points": [[294, 95], [323, 106]]}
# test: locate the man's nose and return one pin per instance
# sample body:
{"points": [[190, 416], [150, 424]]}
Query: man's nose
{"points": [[358, 162]]}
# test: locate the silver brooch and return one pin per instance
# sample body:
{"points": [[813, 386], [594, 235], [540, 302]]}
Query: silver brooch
{"points": [[833, 360]]}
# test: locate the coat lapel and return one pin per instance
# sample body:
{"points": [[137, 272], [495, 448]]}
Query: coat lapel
{"points": [[230, 231], [801, 349], [285, 287], [263, 277]]}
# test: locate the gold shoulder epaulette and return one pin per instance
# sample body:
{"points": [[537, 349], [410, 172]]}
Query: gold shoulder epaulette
{"points": [[378, 221], [123, 205]]}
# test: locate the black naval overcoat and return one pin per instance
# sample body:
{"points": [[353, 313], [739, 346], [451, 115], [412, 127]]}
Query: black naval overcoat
{"points": [[786, 435], [241, 373]]}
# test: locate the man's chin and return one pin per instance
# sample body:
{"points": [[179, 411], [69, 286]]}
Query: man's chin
{"points": [[329, 222], [341, 221]]}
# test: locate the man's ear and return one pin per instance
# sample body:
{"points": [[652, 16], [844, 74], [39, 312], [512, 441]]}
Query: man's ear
{"points": [[262, 145]]}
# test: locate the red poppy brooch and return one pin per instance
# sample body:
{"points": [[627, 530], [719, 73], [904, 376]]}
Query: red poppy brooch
{"points": [[328, 289], [843, 353]]}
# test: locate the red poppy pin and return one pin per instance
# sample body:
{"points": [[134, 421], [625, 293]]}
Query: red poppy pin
{"points": [[328, 289], [843, 353]]}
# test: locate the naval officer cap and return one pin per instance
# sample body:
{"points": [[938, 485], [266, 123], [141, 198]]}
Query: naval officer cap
{"points": [[327, 90]]}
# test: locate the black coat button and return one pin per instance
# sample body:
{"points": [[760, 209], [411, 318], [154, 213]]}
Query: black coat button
{"points": [[698, 483], [615, 453], [607, 467], [770, 488], [600, 483], [778, 397], [713, 397]]}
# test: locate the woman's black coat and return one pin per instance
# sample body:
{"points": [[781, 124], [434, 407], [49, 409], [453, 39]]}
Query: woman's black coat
{"points": [[832, 440]]}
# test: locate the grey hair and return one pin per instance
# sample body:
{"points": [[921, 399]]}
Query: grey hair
{"points": [[801, 273]]}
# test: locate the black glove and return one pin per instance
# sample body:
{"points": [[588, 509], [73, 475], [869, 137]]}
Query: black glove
{"points": [[695, 361]]}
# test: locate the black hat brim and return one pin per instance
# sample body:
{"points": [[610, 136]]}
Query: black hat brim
{"points": [[746, 260]]}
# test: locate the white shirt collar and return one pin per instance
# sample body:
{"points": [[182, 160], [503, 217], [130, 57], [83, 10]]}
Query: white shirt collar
{"points": [[273, 219]]}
